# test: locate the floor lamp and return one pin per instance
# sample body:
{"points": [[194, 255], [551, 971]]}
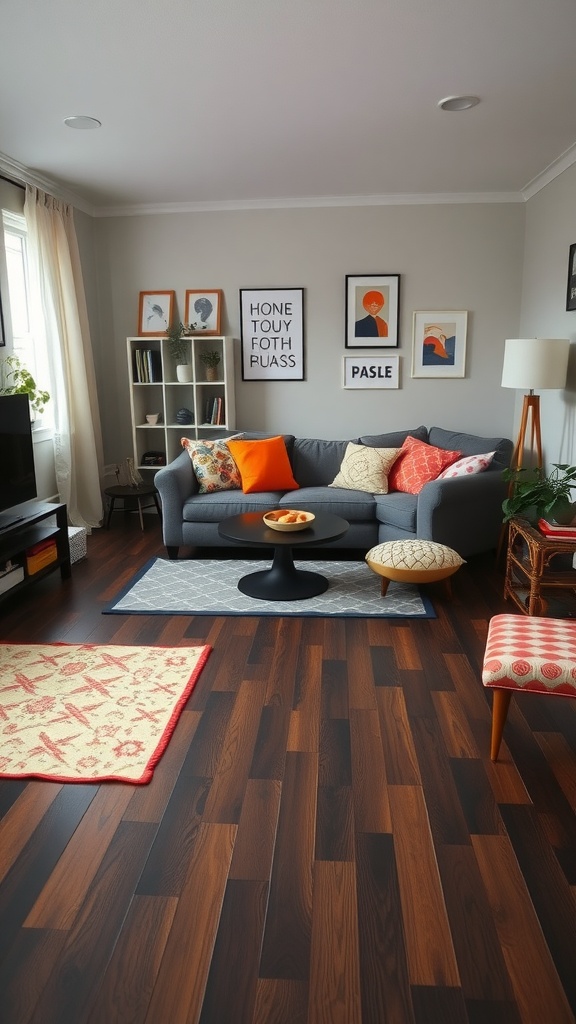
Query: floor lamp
{"points": [[533, 363]]}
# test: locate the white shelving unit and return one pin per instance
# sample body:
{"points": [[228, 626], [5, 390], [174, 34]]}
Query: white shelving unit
{"points": [[154, 388]]}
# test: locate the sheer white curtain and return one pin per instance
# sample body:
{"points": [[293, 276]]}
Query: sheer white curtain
{"points": [[56, 282]]}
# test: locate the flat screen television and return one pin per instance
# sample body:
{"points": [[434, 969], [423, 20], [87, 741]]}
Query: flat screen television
{"points": [[17, 473]]}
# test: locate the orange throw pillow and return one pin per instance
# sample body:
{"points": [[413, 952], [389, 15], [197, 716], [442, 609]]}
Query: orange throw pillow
{"points": [[417, 464], [264, 465]]}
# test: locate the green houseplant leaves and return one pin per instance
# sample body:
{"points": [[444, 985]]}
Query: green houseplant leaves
{"points": [[536, 495]]}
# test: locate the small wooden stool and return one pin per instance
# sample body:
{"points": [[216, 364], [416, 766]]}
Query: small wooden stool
{"points": [[530, 654], [125, 492]]}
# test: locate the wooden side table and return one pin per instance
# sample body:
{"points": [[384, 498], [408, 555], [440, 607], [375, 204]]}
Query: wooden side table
{"points": [[530, 568], [126, 493]]}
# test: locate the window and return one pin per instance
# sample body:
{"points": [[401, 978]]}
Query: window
{"points": [[28, 348]]}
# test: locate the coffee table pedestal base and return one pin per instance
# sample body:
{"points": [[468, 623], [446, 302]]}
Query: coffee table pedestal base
{"points": [[283, 581]]}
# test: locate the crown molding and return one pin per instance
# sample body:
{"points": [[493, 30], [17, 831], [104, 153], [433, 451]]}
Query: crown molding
{"points": [[306, 202], [549, 173], [23, 175]]}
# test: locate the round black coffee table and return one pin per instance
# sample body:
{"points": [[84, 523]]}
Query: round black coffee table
{"points": [[282, 581]]}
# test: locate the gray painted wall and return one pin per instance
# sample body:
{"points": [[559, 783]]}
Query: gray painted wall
{"points": [[465, 256], [550, 230]]}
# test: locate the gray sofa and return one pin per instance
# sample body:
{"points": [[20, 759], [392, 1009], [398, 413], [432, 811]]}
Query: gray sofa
{"points": [[465, 512]]}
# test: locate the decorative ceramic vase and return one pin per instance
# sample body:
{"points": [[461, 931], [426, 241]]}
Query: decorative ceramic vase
{"points": [[184, 373], [184, 416]]}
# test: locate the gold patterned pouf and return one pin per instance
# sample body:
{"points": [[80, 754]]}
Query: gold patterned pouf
{"points": [[412, 561]]}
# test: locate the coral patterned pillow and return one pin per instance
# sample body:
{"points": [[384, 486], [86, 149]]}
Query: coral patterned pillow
{"points": [[214, 467], [468, 466], [417, 464]]}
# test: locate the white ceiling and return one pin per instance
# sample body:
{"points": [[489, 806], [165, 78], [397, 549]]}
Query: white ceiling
{"points": [[239, 101]]}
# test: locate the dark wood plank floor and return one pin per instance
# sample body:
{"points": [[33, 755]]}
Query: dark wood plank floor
{"points": [[325, 840]]}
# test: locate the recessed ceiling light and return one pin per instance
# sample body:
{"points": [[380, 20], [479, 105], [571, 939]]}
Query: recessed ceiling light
{"points": [[458, 102], [81, 121]]}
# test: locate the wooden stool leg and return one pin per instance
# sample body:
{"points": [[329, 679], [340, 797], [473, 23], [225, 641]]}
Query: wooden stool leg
{"points": [[385, 583], [500, 704], [110, 511]]}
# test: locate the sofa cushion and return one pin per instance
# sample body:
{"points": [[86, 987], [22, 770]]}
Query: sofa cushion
{"points": [[472, 444], [417, 464], [355, 506], [214, 507], [397, 509], [214, 467], [365, 469], [468, 466], [264, 465], [394, 439], [316, 462]]}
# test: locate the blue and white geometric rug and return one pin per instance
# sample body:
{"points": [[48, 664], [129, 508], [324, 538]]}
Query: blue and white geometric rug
{"points": [[210, 587]]}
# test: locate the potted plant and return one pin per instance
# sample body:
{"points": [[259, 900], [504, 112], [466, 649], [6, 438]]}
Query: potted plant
{"points": [[179, 348], [17, 380], [535, 495], [210, 361]]}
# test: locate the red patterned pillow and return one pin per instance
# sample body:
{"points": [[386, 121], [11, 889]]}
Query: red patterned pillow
{"points": [[417, 464]]}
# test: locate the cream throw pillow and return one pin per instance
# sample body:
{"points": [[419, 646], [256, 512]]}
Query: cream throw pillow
{"points": [[365, 469]]}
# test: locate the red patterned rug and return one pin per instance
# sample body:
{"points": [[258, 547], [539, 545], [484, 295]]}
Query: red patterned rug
{"points": [[87, 713]]}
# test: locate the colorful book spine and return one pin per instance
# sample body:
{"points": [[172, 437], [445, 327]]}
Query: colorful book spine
{"points": [[562, 532]]}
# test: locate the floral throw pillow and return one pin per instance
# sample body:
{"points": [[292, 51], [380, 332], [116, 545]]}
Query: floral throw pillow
{"points": [[214, 467], [468, 466]]}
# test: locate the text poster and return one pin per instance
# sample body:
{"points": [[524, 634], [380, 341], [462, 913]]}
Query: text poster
{"points": [[272, 325]]}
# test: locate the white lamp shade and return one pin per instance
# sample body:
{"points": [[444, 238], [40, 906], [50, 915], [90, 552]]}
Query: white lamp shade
{"points": [[535, 363]]}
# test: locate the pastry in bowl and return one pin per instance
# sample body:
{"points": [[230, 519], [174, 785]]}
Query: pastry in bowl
{"points": [[288, 519]]}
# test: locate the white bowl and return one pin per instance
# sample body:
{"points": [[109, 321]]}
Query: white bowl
{"points": [[274, 524]]}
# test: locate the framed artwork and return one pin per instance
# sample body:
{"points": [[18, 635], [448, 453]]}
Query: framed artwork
{"points": [[439, 343], [372, 310], [155, 313], [202, 310], [571, 290], [371, 372], [272, 333]]}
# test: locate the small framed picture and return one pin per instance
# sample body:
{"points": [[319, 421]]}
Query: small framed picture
{"points": [[371, 372], [372, 310], [155, 313], [439, 343], [571, 290], [202, 311]]}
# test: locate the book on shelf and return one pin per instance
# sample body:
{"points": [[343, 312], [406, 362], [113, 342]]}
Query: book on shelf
{"points": [[214, 412], [561, 530], [147, 366]]}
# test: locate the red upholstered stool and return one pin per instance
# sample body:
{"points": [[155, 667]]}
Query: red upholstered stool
{"points": [[527, 653]]}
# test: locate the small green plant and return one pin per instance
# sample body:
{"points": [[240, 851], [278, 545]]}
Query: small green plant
{"points": [[17, 380], [178, 344], [536, 495], [210, 358]]}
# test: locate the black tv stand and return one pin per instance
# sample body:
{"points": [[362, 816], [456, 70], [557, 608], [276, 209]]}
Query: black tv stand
{"points": [[29, 527], [7, 520]]}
